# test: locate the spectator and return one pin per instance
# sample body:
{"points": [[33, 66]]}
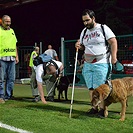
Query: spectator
{"points": [[53, 70], [97, 65], [8, 58], [52, 53], [26, 61], [35, 92]]}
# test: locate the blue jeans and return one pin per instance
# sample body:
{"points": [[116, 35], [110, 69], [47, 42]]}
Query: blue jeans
{"points": [[7, 74]]}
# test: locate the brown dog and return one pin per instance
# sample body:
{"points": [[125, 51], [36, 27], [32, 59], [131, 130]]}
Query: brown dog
{"points": [[104, 96]]}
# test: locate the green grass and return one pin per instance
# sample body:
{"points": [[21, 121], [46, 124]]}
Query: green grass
{"points": [[54, 117]]}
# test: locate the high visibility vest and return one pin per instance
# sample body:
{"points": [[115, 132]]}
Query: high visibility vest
{"points": [[8, 42], [31, 59]]}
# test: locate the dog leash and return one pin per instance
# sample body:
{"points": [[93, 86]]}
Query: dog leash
{"points": [[110, 86], [52, 87]]}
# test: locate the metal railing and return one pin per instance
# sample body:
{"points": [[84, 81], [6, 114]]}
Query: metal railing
{"points": [[125, 56]]}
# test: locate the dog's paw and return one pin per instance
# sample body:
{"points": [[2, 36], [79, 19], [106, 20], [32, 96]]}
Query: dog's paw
{"points": [[121, 119], [106, 113], [101, 114]]}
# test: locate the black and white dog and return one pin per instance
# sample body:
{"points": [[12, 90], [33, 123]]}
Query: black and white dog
{"points": [[64, 83]]}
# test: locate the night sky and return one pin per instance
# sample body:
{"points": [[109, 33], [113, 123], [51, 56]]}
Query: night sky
{"points": [[47, 21]]}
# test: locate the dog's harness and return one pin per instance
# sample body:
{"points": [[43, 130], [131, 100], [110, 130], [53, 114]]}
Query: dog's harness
{"points": [[108, 82]]}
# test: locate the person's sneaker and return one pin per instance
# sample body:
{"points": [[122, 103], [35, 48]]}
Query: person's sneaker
{"points": [[6, 99], [92, 111], [36, 99], [2, 100], [50, 98], [101, 114], [9, 98]]}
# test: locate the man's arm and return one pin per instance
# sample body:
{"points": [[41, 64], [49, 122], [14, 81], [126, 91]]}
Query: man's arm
{"points": [[39, 72], [61, 70], [40, 88], [113, 43], [17, 59], [56, 57]]}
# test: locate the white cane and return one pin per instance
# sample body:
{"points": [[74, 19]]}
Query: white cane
{"points": [[73, 82]]}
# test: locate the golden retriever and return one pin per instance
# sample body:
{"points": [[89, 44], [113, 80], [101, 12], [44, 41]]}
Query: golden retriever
{"points": [[104, 95]]}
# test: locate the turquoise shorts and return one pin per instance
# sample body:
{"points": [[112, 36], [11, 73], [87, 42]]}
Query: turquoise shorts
{"points": [[95, 74]]}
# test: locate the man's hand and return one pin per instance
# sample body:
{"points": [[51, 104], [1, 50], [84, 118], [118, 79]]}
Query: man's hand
{"points": [[78, 45], [58, 80], [17, 60], [113, 60]]}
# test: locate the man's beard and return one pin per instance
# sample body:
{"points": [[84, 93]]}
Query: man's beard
{"points": [[90, 26]]}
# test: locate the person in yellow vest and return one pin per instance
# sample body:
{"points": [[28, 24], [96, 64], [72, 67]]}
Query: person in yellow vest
{"points": [[35, 92], [8, 58]]}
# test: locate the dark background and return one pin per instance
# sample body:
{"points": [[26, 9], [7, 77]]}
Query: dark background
{"points": [[47, 21]]}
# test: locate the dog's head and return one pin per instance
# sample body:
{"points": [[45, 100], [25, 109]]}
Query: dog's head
{"points": [[100, 94], [68, 79], [95, 98]]}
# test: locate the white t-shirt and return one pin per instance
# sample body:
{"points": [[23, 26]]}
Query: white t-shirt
{"points": [[94, 41], [39, 70], [51, 52]]}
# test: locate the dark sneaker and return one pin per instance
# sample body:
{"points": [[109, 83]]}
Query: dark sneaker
{"points": [[92, 111], [50, 98], [37, 99], [101, 114], [2, 100], [9, 98]]}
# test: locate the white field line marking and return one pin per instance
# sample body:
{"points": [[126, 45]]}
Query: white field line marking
{"points": [[13, 128]]}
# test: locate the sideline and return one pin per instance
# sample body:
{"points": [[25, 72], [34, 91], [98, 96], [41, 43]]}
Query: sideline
{"points": [[13, 128]]}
